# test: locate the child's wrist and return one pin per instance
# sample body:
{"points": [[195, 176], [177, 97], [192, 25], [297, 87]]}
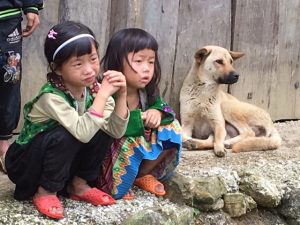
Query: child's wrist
{"points": [[103, 94], [95, 113], [121, 94]]}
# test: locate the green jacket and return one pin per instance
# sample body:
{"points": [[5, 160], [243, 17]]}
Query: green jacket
{"points": [[30, 130]]}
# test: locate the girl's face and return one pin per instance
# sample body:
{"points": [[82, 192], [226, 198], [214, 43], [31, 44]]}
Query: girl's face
{"points": [[142, 68], [79, 72]]}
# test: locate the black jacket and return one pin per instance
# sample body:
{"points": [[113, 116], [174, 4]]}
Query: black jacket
{"points": [[13, 8]]}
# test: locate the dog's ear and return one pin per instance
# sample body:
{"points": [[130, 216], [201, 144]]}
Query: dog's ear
{"points": [[236, 55], [201, 54]]}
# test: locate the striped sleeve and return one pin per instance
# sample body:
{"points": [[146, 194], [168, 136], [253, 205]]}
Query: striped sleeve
{"points": [[32, 6]]}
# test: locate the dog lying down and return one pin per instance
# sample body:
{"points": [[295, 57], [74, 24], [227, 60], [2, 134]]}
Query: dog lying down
{"points": [[216, 119]]}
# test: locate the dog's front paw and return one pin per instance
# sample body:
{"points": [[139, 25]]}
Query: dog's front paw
{"points": [[219, 150], [188, 145]]}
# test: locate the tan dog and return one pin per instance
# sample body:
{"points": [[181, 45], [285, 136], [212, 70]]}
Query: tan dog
{"points": [[210, 114]]}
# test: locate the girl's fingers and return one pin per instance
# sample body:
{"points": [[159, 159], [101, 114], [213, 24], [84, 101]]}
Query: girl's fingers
{"points": [[118, 84], [113, 86], [115, 79], [108, 72], [144, 115], [112, 73], [152, 120], [120, 80], [157, 123]]}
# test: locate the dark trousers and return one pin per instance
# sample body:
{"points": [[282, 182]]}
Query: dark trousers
{"points": [[52, 159], [10, 75]]}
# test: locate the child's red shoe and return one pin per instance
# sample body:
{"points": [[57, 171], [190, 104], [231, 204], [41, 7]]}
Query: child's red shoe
{"points": [[49, 205], [149, 183], [95, 197]]}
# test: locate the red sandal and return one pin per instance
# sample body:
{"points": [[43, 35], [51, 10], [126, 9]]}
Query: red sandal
{"points": [[95, 197], [149, 183], [45, 205]]}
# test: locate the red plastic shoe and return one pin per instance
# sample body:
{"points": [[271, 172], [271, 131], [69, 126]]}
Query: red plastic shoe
{"points": [[49, 205], [95, 197], [149, 183]]}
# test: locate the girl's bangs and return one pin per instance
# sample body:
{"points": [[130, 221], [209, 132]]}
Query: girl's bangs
{"points": [[83, 46], [144, 43], [77, 48]]}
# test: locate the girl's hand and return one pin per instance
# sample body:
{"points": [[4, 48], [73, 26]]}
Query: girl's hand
{"points": [[152, 118], [117, 80], [112, 82], [106, 88]]}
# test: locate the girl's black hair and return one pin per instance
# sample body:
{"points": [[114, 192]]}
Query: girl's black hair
{"points": [[132, 40], [63, 32]]}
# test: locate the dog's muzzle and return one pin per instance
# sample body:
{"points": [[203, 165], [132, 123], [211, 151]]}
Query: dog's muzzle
{"points": [[230, 78]]}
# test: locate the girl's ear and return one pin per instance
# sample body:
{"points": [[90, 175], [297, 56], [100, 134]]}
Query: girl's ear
{"points": [[52, 65], [55, 69]]}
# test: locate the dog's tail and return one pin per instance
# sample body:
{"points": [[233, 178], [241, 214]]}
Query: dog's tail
{"points": [[270, 142]]}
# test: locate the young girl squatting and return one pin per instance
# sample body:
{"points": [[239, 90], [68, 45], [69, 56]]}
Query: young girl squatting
{"points": [[150, 149], [68, 126]]}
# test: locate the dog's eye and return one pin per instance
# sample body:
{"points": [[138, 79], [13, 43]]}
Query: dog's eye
{"points": [[219, 61]]}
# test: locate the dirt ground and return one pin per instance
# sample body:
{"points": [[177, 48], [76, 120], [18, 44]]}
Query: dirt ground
{"points": [[282, 164]]}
